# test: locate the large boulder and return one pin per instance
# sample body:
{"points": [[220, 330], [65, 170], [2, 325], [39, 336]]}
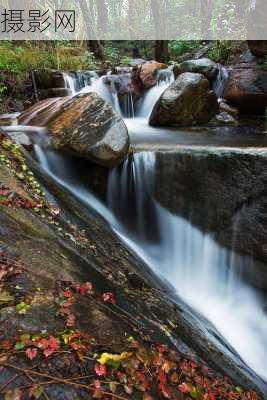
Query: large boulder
{"points": [[144, 76], [203, 66], [247, 88], [84, 125], [187, 101], [258, 47]]}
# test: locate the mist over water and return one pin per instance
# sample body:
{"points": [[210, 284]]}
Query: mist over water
{"points": [[204, 275]]}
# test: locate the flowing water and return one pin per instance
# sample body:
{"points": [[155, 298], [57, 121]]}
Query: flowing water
{"points": [[206, 276]]}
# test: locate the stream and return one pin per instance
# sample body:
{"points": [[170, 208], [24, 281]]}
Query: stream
{"points": [[205, 275]]}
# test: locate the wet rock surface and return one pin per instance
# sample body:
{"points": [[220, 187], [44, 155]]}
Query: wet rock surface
{"points": [[187, 101], [247, 87], [203, 66], [84, 125], [224, 193], [144, 76]]}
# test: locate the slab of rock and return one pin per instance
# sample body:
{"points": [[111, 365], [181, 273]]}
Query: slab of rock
{"points": [[187, 101], [203, 66], [222, 191]]}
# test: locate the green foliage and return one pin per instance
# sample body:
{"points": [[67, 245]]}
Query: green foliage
{"points": [[112, 55], [224, 50], [180, 47]]}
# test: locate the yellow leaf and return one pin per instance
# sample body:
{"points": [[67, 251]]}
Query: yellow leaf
{"points": [[106, 357]]}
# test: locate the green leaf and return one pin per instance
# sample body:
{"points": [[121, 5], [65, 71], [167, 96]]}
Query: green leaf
{"points": [[19, 346], [22, 307]]}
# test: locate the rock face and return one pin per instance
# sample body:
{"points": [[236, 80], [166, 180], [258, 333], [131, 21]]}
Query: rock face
{"points": [[247, 88], [203, 66], [85, 126], [49, 78], [187, 101], [258, 47], [222, 192]]}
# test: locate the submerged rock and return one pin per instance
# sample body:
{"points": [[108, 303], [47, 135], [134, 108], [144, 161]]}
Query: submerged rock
{"points": [[247, 88], [187, 101], [203, 66]]}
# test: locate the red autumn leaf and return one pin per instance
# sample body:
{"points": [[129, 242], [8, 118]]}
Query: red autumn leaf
{"points": [[184, 388], [31, 353], [100, 370], [77, 346], [109, 297], [49, 346], [85, 288], [68, 293]]}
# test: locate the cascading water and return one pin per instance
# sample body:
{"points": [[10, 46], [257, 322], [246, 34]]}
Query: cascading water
{"points": [[205, 275], [153, 95], [220, 82], [99, 86], [69, 83]]}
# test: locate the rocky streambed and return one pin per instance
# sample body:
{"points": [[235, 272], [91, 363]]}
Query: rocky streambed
{"points": [[132, 292]]}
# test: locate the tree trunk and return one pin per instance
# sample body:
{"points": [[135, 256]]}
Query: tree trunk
{"points": [[96, 47], [162, 51], [102, 17]]}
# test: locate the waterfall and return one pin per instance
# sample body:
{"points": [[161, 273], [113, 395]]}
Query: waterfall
{"points": [[99, 86], [204, 274], [219, 83], [69, 82], [153, 94]]}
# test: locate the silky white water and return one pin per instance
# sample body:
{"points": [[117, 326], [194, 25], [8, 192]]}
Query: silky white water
{"points": [[204, 275]]}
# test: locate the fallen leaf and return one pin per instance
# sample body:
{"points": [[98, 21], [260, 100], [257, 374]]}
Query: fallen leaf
{"points": [[109, 297], [100, 369], [31, 353]]}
